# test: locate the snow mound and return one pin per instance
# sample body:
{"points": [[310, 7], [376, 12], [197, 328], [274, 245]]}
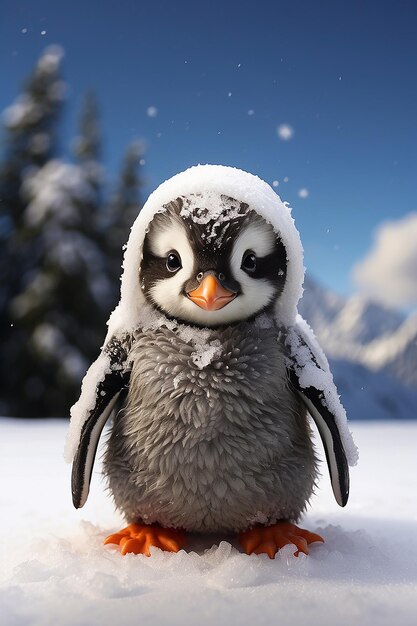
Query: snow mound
{"points": [[203, 586], [54, 569]]}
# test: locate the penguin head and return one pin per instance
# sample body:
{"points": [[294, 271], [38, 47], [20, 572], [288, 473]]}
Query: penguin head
{"points": [[211, 260], [216, 222]]}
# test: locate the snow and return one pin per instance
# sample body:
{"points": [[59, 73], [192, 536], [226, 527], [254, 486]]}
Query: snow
{"points": [[25, 110], [96, 372], [52, 190], [362, 332], [303, 193], [372, 351], [54, 569], [285, 132], [205, 354], [316, 373], [361, 320]]}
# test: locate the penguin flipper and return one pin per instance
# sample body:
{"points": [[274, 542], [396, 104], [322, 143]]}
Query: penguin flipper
{"points": [[107, 392], [310, 375]]}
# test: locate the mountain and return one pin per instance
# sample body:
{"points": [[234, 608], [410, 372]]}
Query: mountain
{"points": [[367, 394], [361, 321], [396, 353], [372, 351]]}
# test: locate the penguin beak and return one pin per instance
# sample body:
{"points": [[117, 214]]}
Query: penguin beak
{"points": [[210, 295]]}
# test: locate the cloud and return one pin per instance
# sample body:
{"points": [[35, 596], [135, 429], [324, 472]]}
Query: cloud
{"points": [[389, 270]]}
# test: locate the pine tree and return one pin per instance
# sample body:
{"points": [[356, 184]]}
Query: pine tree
{"points": [[29, 142], [87, 145], [30, 125], [123, 208], [65, 303], [61, 247], [56, 310]]}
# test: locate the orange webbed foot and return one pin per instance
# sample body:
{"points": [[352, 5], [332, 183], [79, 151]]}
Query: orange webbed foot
{"points": [[139, 538], [269, 539]]}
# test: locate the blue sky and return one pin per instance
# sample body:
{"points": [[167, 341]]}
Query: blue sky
{"points": [[342, 74]]}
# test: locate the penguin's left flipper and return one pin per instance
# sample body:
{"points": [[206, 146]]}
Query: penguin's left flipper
{"points": [[109, 390], [309, 373]]}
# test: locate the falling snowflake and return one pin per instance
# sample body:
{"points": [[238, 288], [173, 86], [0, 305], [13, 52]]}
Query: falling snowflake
{"points": [[303, 193], [285, 132], [151, 111]]}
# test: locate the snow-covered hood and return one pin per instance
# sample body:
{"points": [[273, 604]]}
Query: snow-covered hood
{"points": [[209, 179]]}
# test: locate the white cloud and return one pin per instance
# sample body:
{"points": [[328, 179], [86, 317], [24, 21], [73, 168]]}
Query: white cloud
{"points": [[285, 132], [389, 270]]}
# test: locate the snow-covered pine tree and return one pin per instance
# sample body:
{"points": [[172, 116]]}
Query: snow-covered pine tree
{"points": [[123, 209], [65, 302], [29, 141], [56, 312], [87, 145], [30, 130]]}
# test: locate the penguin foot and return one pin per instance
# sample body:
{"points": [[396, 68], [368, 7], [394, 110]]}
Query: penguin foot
{"points": [[269, 539], [139, 538]]}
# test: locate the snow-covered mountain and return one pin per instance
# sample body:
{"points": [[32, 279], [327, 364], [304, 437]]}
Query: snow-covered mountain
{"points": [[396, 353], [372, 351]]}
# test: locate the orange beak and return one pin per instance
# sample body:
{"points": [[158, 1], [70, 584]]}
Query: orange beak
{"points": [[210, 295]]}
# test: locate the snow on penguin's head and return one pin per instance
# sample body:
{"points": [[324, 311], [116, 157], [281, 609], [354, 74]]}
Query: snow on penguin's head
{"points": [[210, 207]]}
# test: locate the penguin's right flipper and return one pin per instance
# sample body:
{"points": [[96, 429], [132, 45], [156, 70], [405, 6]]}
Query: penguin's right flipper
{"points": [[310, 375], [107, 392]]}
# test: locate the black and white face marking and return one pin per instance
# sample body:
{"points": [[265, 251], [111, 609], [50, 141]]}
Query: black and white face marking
{"points": [[239, 249]]}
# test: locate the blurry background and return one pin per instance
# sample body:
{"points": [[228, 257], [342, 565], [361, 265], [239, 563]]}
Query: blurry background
{"points": [[103, 101]]}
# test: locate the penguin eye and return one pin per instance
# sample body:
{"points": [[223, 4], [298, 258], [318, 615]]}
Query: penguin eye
{"points": [[249, 262], [173, 262]]}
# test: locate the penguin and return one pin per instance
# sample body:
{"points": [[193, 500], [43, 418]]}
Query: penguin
{"points": [[210, 375]]}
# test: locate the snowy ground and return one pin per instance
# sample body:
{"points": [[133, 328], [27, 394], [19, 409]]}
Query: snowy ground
{"points": [[54, 569]]}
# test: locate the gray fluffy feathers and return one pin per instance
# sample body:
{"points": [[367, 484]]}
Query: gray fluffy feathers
{"points": [[213, 448]]}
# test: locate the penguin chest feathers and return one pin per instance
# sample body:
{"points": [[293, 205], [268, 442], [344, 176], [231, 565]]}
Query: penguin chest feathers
{"points": [[207, 385], [206, 423]]}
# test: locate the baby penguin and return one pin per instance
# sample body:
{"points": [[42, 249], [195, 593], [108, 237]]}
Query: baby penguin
{"points": [[209, 374]]}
